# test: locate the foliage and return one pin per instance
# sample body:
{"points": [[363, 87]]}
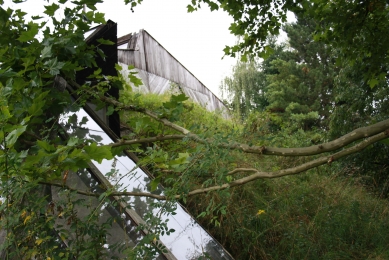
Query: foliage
{"points": [[355, 28], [295, 82], [352, 27], [313, 216], [188, 150], [355, 104], [35, 152], [311, 71], [245, 88], [316, 215]]}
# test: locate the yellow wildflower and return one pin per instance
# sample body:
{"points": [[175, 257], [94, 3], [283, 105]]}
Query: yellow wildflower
{"points": [[261, 211]]}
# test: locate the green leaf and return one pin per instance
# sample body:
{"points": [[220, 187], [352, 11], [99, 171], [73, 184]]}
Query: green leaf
{"points": [[46, 52], [236, 29], [6, 73], [134, 80], [13, 136], [190, 9], [110, 110], [213, 6], [46, 146], [118, 67], [99, 18], [4, 113], [98, 153], [154, 184], [72, 141], [373, 83], [96, 73], [182, 159], [54, 66], [4, 15], [28, 35], [179, 98], [36, 17], [243, 57], [50, 9], [28, 61], [36, 108], [105, 42], [202, 214]]}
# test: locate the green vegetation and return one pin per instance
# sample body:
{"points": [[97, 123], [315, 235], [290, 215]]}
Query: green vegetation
{"points": [[314, 108], [320, 214]]}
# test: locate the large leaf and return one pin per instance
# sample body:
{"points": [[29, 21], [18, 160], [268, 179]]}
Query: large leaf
{"points": [[46, 52], [182, 159], [50, 9], [105, 42], [54, 66], [98, 153], [46, 146], [28, 35], [13, 136]]}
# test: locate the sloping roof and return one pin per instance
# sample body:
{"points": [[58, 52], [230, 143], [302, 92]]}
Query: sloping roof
{"points": [[158, 69]]}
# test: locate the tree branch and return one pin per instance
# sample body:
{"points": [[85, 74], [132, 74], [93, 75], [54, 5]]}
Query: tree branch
{"points": [[92, 194], [295, 170], [257, 174], [148, 140], [355, 135]]}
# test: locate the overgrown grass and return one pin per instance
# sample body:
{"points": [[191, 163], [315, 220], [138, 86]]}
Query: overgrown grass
{"points": [[309, 216], [314, 215]]}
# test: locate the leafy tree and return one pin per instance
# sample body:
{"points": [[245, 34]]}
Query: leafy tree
{"points": [[294, 82], [355, 105], [353, 27], [245, 89], [302, 87], [188, 158]]}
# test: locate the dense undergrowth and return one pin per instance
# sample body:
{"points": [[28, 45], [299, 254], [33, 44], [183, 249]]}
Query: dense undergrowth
{"points": [[319, 214]]}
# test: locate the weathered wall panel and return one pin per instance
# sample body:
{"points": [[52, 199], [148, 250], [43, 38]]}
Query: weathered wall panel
{"points": [[158, 68]]}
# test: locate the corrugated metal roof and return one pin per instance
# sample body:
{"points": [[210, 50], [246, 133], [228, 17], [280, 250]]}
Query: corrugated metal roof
{"points": [[158, 69]]}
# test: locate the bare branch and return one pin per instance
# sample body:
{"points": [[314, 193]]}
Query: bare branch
{"points": [[240, 170], [257, 174], [295, 170]]}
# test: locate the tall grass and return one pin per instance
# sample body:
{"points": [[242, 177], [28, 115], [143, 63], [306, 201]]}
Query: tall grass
{"points": [[310, 216]]}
